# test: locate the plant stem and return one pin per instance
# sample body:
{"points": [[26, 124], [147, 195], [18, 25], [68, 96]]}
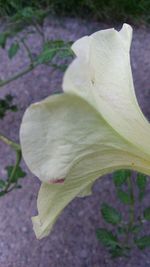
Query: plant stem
{"points": [[18, 75], [36, 26], [131, 210], [132, 215], [28, 51], [18, 159], [10, 143], [17, 148]]}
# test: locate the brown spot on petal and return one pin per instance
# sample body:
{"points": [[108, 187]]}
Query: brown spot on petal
{"points": [[57, 181]]}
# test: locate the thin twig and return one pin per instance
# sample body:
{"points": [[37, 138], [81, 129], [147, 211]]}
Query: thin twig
{"points": [[28, 51], [9, 142], [17, 148], [39, 31], [130, 185], [13, 173], [18, 75]]}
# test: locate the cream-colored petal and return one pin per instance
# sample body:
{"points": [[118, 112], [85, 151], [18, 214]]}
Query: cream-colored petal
{"points": [[105, 81], [77, 80], [58, 131], [87, 191], [95, 127], [55, 132], [113, 82], [82, 48], [52, 199], [64, 137]]}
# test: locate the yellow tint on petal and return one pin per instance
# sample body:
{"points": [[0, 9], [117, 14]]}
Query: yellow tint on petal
{"points": [[62, 128], [64, 136], [93, 128], [105, 81], [52, 199]]}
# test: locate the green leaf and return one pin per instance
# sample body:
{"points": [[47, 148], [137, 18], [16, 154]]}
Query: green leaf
{"points": [[120, 177], [121, 230], [61, 67], [54, 44], [65, 53], [6, 104], [110, 214], [141, 195], [2, 193], [46, 56], [136, 229], [3, 39], [143, 242], [107, 238], [14, 108], [119, 252], [18, 174], [9, 98], [147, 214], [13, 50], [53, 48], [27, 12], [124, 197], [141, 181], [27, 16], [2, 183]]}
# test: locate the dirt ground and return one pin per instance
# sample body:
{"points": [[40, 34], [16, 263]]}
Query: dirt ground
{"points": [[72, 242]]}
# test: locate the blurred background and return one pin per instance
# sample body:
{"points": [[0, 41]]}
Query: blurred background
{"points": [[35, 41], [111, 10]]}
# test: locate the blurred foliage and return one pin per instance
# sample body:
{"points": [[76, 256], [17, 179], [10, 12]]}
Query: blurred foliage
{"points": [[6, 104], [14, 174], [53, 53], [110, 10], [126, 229]]}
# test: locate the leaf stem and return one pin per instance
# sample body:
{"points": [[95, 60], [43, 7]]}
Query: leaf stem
{"points": [[18, 75], [10, 143], [28, 51], [37, 27], [17, 148], [18, 159], [132, 215], [131, 210]]}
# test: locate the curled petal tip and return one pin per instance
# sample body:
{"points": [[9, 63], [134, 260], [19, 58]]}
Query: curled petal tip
{"points": [[126, 32]]}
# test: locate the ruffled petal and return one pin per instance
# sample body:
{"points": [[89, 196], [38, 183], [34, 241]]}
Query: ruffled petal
{"points": [[55, 132], [52, 199], [104, 79], [61, 130], [94, 128]]}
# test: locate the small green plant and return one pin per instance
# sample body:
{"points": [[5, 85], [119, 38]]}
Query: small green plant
{"points": [[14, 172], [54, 53], [125, 233]]}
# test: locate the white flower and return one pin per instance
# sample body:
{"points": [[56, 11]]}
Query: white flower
{"points": [[93, 128]]}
